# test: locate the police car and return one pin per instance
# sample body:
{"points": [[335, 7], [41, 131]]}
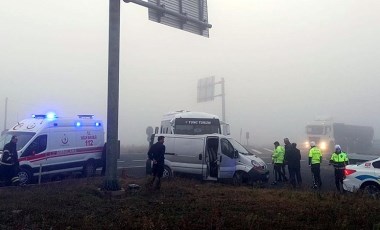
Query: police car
{"points": [[364, 176]]}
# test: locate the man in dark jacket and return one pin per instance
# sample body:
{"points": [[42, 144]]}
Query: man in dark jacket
{"points": [[9, 162], [288, 148], [156, 154], [293, 158]]}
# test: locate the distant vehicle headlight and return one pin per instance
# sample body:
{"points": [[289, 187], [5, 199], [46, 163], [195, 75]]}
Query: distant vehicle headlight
{"points": [[323, 145]]}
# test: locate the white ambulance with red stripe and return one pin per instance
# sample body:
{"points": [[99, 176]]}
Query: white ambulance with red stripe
{"points": [[49, 145]]}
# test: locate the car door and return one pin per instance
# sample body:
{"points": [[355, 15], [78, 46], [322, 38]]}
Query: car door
{"points": [[376, 166], [226, 159]]}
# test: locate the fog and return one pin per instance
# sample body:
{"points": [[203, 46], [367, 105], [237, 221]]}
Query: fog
{"points": [[284, 63]]}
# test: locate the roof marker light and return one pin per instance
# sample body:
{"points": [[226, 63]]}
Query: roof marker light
{"points": [[77, 124]]}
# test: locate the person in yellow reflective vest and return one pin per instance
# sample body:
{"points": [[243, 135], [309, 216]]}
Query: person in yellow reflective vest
{"points": [[339, 160], [278, 161], [315, 159]]}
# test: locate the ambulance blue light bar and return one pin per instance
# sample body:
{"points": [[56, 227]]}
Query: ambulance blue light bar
{"points": [[49, 115], [78, 124], [97, 124]]}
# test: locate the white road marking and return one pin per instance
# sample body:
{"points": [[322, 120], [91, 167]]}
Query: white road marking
{"points": [[269, 150], [257, 151]]}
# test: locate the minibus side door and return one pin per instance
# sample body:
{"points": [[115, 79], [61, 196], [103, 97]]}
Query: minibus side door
{"points": [[226, 158]]}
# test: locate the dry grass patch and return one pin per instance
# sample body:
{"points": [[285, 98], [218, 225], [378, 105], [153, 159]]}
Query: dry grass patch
{"points": [[181, 204]]}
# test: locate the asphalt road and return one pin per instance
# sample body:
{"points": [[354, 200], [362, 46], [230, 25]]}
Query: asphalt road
{"points": [[134, 165]]}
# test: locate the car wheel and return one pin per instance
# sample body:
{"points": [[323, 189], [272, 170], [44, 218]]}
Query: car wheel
{"points": [[237, 179], [89, 169], [372, 190], [167, 173], [25, 176]]}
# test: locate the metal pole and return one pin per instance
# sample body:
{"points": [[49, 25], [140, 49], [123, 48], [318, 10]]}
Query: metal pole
{"points": [[223, 101], [39, 175], [111, 182], [5, 113]]}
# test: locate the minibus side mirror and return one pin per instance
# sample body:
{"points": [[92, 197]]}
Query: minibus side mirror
{"points": [[236, 154]]}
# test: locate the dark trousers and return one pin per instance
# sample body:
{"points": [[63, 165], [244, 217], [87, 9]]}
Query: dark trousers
{"points": [[295, 176], [339, 176], [10, 173], [279, 176], [316, 171], [283, 171], [157, 172]]}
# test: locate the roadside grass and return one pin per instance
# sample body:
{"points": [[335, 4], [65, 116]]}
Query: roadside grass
{"points": [[181, 204]]}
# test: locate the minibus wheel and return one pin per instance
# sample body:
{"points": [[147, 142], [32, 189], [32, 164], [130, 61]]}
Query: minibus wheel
{"points": [[25, 176], [167, 173], [237, 180]]}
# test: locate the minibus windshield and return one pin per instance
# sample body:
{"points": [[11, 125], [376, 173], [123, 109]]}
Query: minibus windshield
{"points": [[237, 146]]}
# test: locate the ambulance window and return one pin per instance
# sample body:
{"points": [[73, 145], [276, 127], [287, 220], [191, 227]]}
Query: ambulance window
{"points": [[36, 147], [227, 148], [376, 164]]}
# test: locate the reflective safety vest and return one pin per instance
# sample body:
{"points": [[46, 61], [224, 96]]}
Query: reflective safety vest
{"points": [[278, 155], [316, 155], [339, 159]]}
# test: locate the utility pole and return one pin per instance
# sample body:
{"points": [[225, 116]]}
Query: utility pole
{"points": [[111, 182], [223, 101]]}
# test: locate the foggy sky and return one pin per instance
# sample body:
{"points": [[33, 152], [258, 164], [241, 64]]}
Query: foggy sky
{"points": [[284, 63]]}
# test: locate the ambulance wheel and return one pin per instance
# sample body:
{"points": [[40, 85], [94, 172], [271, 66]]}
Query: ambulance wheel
{"points": [[167, 173], [237, 180], [89, 169], [25, 176]]}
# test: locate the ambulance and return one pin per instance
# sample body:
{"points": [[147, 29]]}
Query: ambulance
{"points": [[49, 145]]}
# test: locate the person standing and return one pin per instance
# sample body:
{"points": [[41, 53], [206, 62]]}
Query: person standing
{"points": [[293, 159], [278, 160], [156, 153], [288, 149], [339, 160], [315, 159], [9, 162]]}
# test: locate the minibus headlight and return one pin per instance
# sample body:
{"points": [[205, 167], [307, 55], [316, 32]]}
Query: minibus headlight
{"points": [[255, 163]]}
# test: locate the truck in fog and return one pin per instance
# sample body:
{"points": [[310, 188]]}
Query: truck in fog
{"points": [[352, 138]]}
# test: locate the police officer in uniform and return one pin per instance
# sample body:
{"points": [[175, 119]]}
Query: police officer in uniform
{"points": [[315, 159], [278, 161], [9, 162], [339, 160]]}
